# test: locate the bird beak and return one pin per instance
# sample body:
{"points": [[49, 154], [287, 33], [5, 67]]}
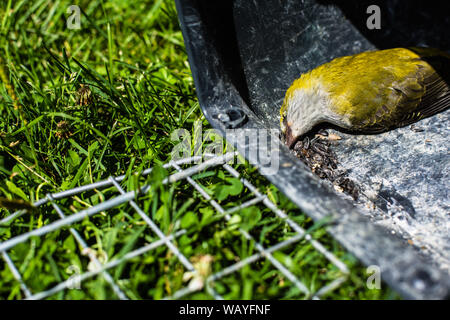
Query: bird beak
{"points": [[290, 139]]}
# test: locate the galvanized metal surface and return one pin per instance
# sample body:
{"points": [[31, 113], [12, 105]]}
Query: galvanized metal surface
{"points": [[244, 55]]}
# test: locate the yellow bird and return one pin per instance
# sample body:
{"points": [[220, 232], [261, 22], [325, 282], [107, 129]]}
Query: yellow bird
{"points": [[369, 92]]}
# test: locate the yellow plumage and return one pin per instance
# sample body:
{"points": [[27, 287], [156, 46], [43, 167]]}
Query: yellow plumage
{"points": [[377, 90]]}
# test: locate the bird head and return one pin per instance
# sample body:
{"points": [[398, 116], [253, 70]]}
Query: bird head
{"points": [[302, 109], [292, 130]]}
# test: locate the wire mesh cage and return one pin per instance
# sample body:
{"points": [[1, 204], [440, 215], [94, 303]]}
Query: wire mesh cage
{"points": [[36, 267]]}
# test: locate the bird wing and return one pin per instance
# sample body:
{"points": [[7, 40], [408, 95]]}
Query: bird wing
{"points": [[435, 90], [419, 95]]}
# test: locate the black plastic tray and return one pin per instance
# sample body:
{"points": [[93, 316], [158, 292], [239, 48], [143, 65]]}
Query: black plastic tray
{"points": [[245, 54]]}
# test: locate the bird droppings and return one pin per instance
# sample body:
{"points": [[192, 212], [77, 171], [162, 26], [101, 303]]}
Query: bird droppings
{"points": [[318, 155]]}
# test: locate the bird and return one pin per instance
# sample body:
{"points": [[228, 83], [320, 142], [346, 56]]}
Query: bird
{"points": [[369, 92]]}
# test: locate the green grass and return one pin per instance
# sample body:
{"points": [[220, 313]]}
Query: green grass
{"points": [[131, 57]]}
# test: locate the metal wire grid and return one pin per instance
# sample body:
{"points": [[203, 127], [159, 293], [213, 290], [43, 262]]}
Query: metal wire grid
{"points": [[166, 240]]}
